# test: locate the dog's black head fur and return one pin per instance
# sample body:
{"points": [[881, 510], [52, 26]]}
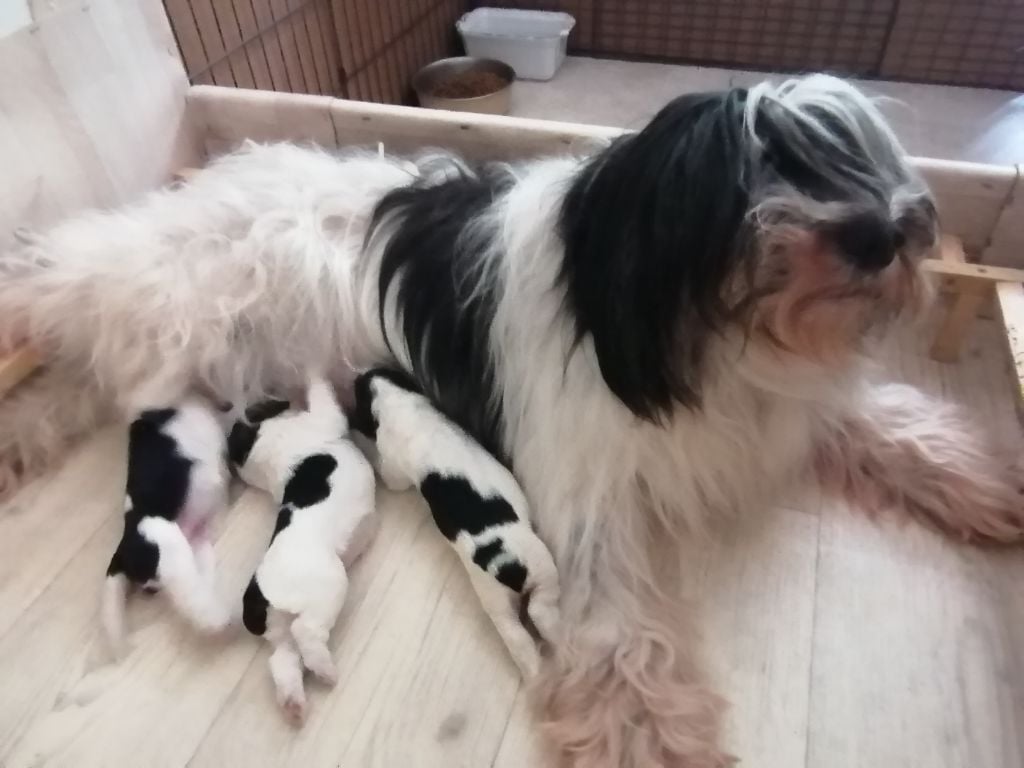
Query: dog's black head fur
{"points": [[665, 231]]}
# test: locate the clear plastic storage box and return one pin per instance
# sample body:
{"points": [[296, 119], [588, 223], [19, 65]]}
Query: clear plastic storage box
{"points": [[531, 42]]}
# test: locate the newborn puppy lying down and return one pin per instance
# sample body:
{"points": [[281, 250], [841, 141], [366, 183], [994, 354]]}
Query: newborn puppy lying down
{"points": [[475, 502], [177, 480], [325, 488]]}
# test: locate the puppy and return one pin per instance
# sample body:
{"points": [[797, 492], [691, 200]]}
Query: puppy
{"points": [[177, 480], [325, 488], [475, 502]]}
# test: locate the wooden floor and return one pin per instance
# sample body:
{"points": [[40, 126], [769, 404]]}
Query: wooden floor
{"points": [[841, 644]]}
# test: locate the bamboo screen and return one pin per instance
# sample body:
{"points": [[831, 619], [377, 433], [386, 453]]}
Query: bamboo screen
{"points": [[280, 45], [370, 49], [360, 49], [385, 42], [961, 42]]}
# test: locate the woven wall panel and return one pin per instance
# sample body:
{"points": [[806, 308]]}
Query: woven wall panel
{"points": [[838, 35], [980, 42], [281, 45]]}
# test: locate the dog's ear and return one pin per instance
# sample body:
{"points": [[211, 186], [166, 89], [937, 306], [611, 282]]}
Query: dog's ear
{"points": [[240, 442], [265, 409]]}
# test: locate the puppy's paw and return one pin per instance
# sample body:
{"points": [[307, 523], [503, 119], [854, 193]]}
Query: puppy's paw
{"points": [[293, 706], [325, 671]]}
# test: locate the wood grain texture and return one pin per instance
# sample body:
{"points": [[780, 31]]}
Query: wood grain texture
{"points": [[839, 641], [1010, 299]]}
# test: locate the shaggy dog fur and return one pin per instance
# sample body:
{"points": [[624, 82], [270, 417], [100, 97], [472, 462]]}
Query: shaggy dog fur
{"points": [[476, 504], [325, 489], [673, 330], [177, 480]]}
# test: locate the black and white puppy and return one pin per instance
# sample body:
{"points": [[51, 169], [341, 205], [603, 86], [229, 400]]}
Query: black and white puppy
{"points": [[325, 488], [475, 502], [177, 480]]}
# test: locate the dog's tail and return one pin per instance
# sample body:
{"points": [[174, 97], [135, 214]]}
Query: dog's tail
{"points": [[192, 593], [112, 611]]}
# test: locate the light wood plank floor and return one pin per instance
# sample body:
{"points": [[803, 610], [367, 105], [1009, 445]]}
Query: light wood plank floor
{"points": [[840, 643]]}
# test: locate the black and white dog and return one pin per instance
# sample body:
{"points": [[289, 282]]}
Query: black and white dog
{"points": [[674, 329], [476, 503], [325, 490], [177, 480]]}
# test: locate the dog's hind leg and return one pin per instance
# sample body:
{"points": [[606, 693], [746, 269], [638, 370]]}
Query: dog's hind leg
{"points": [[312, 627], [500, 603], [285, 665], [181, 577]]}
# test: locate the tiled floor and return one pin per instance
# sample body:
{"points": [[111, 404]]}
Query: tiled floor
{"points": [[932, 121]]}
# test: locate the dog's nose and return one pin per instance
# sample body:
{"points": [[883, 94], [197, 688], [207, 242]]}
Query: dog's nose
{"points": [[868, 240]]}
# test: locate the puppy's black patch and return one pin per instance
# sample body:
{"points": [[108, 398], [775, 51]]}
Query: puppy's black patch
{"points": [[485, 554], [265, 409], [512, 575], [240, 442], [309, 484], [284, 519], [254, 608], [456, 506], [362, 418], [158, 476], [136, 557]]}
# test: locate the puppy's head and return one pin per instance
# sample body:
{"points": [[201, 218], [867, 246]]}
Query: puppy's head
{"points": [[251, 436], [366, 417], [788, 216]]}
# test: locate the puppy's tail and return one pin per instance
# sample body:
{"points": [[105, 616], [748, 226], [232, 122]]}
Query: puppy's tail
{"points": [[324, 405], [193, 595], [112, 612], [254, 608]]}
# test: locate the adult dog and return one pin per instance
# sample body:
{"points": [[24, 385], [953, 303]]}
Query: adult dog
{"points": [[671, 330]]}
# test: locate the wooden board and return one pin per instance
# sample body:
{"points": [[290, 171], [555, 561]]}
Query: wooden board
{"points": [[1010, 297], [970, 197], [1007, 246], [226, 117]]}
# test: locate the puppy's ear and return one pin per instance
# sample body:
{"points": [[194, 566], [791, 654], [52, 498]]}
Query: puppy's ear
{"points": [[240, 442], [266, 409], [362, 418]]}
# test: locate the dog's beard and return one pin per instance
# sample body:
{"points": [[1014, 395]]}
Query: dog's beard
{"points": [[821, 309]]}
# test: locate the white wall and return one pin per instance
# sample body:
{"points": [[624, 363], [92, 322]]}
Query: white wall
{"points": [[14, 15]]}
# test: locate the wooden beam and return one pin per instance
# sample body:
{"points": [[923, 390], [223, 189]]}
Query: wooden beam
{"points": [[955, 325], [16, 366], [965, 271], [1011, 306]]}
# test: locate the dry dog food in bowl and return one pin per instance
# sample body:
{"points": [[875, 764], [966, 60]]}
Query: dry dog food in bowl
{"points": [[465, 84]]}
